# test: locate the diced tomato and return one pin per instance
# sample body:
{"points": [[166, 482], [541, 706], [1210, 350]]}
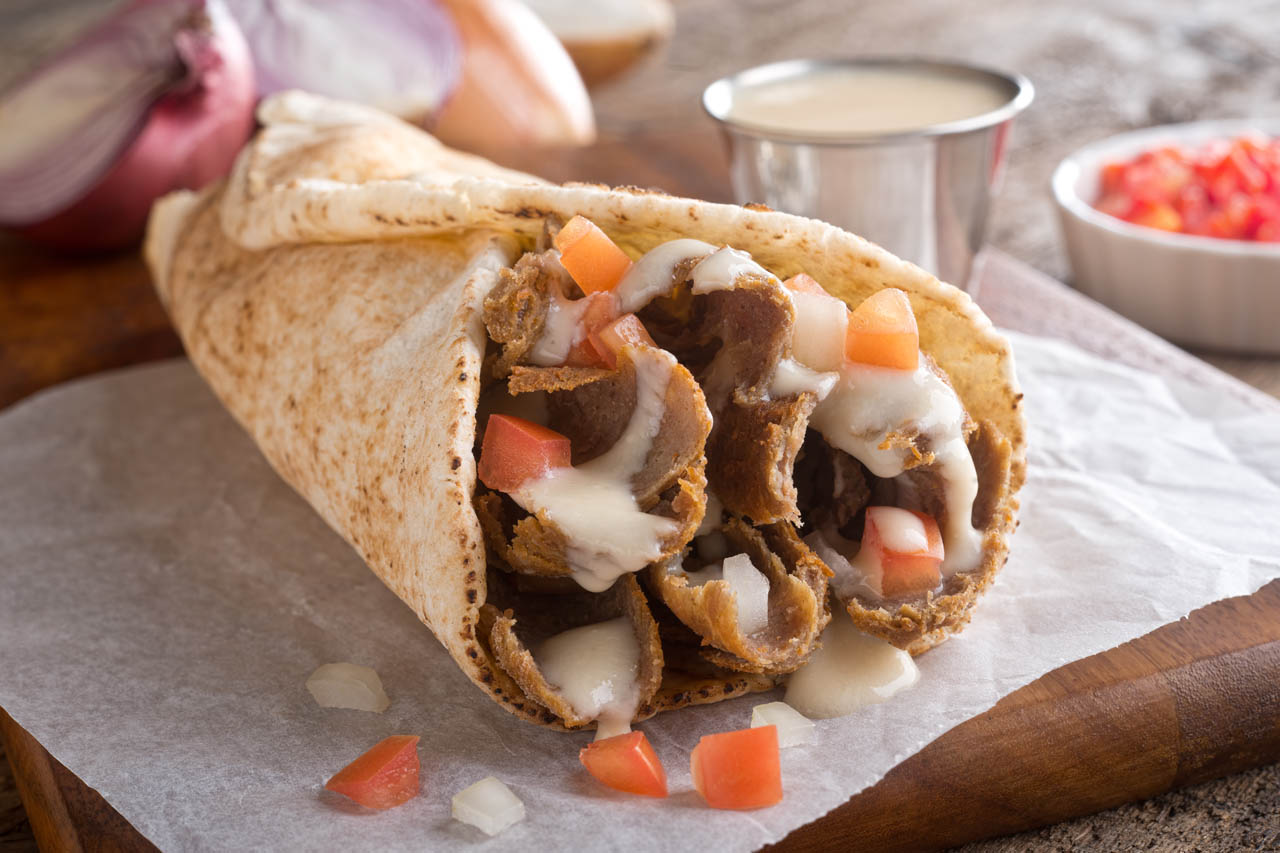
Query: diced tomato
{"points": [[601, 310], [384, 777], [600, 348], [738, 770], [1112, 177], [595, 262], [515, 450], [625, 330], [1225, 188], [904, 548], [883, 331], [1161, 216], [802, 283], [626, 763]]}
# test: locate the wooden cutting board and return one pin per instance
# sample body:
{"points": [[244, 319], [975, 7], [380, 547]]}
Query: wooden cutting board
{"points": [[1192, 701]]}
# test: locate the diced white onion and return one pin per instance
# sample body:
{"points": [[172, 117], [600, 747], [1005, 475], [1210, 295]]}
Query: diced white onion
{"points": [[751, 590], [346, 685], [819, 333], [794, 728], [488, 805]]}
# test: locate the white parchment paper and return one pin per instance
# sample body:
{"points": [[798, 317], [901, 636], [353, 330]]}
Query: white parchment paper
{"points": [[163, 597]]}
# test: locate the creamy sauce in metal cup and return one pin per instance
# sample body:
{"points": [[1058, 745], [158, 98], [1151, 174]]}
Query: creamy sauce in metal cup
{"points": [[864, 101]]}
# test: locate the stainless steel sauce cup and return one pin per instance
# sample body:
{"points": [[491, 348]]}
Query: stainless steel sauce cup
{"points": [[923, 194]]}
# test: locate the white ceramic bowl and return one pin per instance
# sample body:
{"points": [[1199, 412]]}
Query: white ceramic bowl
{"points": [[1198, 291]]}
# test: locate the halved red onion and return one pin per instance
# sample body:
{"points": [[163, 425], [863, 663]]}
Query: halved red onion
{"points": [[156, 98], [403, 56]]}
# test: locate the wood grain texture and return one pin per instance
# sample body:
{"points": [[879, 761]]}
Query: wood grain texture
{"points": [[66, 317], [1191, 701]]}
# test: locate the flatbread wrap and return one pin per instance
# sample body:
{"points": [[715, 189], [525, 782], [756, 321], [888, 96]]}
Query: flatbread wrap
{"points": [[610, 486]]}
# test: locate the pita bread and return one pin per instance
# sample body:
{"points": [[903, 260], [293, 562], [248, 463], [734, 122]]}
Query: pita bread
{"points": [[331, 293]]}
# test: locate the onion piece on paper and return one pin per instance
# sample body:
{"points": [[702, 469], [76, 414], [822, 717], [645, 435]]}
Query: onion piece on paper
{"points": [[488, 805], [348, 685], [794, 728]]}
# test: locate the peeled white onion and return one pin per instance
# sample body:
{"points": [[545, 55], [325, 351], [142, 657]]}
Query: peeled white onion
{"points": [[794, 728], [157, 97], [605, 37], [751, 589], [518, 87], [488, 805], [348, 685]]}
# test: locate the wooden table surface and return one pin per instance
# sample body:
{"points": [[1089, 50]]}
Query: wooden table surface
{"points": [[1145, 702]]}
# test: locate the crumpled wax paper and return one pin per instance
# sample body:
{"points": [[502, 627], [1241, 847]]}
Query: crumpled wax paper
{"points": [[164, 596]]}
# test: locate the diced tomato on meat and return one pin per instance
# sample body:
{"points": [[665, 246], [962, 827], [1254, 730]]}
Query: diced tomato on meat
{"points": [[802, 283], [1227, 188], [384, 777], [600, 348], [595, 262], [514, 450], [738, 770], [601, 310], [883, 331], [905, 547], [626, 763]]}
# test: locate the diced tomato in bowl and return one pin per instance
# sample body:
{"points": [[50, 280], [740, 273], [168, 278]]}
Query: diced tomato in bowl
{"points": [[1178, 228], [1225, 188]]}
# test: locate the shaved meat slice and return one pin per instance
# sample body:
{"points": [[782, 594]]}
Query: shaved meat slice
{"points": [[514, 640], [832, 485], [639, 429], [733, 342], [518, 309], [796, 606], [921, 623]]}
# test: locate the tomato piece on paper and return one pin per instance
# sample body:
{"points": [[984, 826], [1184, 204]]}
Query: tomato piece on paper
{"points": [[384, 777], [738, 770], [883, 331], [626, 763], [515, 450]]}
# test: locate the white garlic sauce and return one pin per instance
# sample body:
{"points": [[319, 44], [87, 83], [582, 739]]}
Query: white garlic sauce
{"points": [[791, 377], [721, 269], [849, 671], [593, 505], [650, 277], [596, 669], [869, 402], [561, 329]]}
